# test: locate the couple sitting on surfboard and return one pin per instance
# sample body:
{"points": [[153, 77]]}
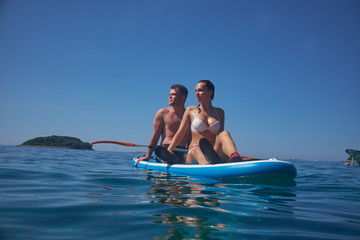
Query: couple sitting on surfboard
{"points": [[201, 128]]}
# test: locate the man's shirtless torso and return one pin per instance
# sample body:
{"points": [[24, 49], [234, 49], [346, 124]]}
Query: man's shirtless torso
{"points": [[171, 122]]}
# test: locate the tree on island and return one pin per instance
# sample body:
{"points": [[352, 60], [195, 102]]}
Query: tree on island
{"points": [[58, 141]]}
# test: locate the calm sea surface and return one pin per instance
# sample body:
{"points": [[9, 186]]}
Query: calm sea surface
{"points": [[74, 194]]}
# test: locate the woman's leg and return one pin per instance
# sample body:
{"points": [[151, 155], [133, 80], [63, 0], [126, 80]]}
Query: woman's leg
{"points": [[195, 153], [225, 146]]}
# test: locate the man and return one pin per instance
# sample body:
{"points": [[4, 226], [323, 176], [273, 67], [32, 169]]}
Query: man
{"points": [[167, 121]]}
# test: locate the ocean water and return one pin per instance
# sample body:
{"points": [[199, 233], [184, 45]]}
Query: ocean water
{"points": [[76, 194]]}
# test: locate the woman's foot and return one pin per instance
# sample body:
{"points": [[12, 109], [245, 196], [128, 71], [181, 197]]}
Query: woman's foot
{"points": [[235, 157]]}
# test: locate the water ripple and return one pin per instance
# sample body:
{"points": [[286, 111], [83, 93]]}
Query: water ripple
{"points": [[73, 194]]}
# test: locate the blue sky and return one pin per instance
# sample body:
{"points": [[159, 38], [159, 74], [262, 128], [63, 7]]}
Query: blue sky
{"points": [[287, 73]]}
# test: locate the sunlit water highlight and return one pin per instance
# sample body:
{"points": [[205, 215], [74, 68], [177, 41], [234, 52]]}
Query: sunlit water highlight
{"points": [[74, 194]]}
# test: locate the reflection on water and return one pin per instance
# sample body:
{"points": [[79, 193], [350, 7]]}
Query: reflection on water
{"points": [[201, 225], [185, 194], [217, 204]]}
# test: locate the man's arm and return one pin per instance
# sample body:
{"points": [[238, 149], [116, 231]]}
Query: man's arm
{"points": [[158, 127]]}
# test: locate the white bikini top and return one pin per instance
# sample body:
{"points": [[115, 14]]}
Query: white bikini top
{"points": [[199, 125]]}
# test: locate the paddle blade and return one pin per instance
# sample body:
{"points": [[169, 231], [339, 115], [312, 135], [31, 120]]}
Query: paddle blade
{"points": [[115, 142], [250, 158]]}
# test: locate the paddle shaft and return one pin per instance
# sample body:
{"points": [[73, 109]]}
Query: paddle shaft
{"points": [[133, 145], [139, 145]]}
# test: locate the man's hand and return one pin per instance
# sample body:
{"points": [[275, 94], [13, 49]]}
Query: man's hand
{"points": [[171, 151], [144, 158]]}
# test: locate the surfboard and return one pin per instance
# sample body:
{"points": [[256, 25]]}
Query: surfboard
{"points": [[256, 168]]}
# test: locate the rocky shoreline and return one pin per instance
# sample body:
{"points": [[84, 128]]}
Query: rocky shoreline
{"points": [[61, 142]]}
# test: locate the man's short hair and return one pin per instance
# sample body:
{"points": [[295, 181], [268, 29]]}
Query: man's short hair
{"points": [[181, 89]]}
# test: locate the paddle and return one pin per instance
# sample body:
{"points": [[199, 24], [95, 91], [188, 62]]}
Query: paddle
{"points": [[139, 145], [133, 145]]}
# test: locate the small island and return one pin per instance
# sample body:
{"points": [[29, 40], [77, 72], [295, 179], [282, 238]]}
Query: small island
{"points": [[58, 142]]}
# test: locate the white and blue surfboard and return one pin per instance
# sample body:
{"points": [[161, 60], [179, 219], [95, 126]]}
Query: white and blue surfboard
{"points": [[258, 168]]}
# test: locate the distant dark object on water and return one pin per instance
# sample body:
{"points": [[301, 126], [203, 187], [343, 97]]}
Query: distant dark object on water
{"points": [[354, 156], [58, 142]]}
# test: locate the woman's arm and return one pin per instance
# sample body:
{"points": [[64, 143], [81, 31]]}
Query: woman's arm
{"points": [[181, 132], [222, 119]]}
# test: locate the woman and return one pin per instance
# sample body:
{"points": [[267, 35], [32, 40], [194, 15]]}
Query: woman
{"points": [[210, 144]]}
